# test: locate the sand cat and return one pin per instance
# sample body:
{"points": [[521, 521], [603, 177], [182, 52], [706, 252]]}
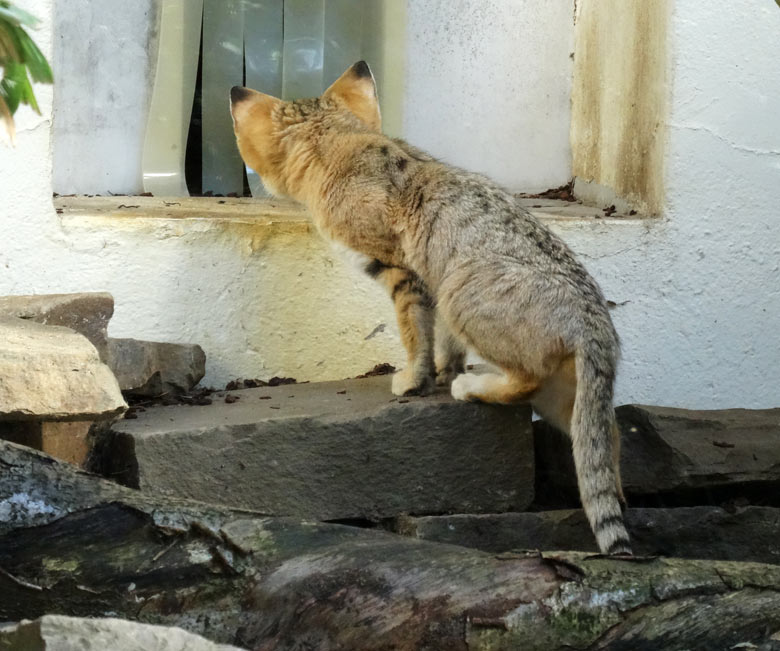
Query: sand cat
{"points": [[454, 245]]}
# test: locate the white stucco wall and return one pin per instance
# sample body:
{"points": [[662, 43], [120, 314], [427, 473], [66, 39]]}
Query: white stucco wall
{"points": [[701, 327], [699, 309]]}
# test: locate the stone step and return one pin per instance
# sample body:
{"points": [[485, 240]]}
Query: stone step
{"points": [[704, 532], [686, 456], [330, 451]]}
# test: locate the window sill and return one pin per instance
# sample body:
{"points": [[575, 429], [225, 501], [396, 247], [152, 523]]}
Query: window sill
{"points": [[138, 210], [281, 215]]}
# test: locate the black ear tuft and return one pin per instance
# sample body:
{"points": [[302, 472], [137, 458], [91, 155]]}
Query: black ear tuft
{"points": [[361, 70], [239, 93]]}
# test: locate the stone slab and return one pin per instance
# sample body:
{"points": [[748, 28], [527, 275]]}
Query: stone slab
{"points": [[707, 532], [53, 373], [66, 440], [331, 450], [87, 313], [667, 450], [61, 633], [150, 368]]}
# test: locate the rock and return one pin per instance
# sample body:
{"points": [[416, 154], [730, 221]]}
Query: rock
{"points": [[36, 489], [748, 534], [149, 368], [331, 450], [677, 454], [53, 373], [284, 584], [60, 633], [86, 313], [65, 440]]}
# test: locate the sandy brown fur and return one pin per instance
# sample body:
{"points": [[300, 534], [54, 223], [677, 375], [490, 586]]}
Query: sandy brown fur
{"points": [[501, 283]]}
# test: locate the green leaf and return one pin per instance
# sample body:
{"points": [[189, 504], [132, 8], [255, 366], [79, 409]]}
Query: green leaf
{"points": [[12, 87], [16, 88], [8, 118], [20, 59], [8, 45], [35, 61], [13, 14], [10, 94]]}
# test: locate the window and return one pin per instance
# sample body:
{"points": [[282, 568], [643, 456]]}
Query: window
{"points": [[484, 85], [178, 131]]}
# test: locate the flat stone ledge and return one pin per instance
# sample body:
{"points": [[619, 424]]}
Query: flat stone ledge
{"points": [[704, 532], [280, 214], [678, 452], [331, 451], [136, 211]]}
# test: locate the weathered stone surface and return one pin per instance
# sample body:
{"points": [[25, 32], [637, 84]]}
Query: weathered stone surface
{"points": [[748, 534], [667, 450], [36, 489], [60, 633], [66, 440], [332, 450], [151, 368], [285, 585], [86, 313], [53, 373]]}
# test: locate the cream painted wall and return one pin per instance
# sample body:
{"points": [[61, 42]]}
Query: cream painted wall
{"points": [[699, 306]]}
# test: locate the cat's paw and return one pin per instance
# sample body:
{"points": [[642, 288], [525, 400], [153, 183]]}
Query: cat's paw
{"points": [[465, 386], [450, 363], [445, 375], [406, 384]]}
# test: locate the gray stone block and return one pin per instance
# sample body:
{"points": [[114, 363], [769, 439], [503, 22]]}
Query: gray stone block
{"points": [[150, 368], [87, 313], [707, 532], [668, 451], [332, 450]]}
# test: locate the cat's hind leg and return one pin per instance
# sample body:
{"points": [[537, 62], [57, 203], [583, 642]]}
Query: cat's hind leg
{"points": [[450, 353], [509, 388]]}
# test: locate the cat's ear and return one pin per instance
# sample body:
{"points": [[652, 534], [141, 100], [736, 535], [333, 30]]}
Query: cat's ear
{"points": [[246, 103], [355, 90]]}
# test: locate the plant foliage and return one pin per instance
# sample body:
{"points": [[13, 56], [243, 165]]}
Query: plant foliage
{"points": [[20, 60]]}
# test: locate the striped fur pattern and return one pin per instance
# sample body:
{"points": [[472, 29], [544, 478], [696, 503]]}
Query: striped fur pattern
{"points": [[460, 258]]}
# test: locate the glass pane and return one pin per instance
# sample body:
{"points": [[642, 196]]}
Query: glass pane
{"points": [[343, 38], [223, 62], [165, 143], [263, 44], [304, 28], [286, 48], [384, 47]]}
